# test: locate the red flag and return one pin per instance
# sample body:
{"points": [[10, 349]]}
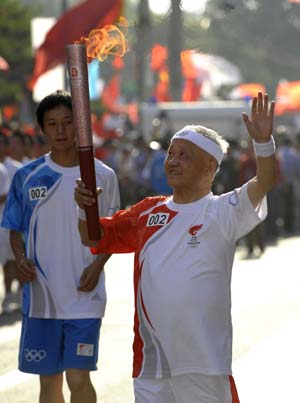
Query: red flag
{"points": [[118, 63], [111, 92], [287, 97], [110, 96], [247, 90], [192, 90], [73, 24], [159, 57], [161, 90], [188, 67], [158, 63], [192, 86], [9, 111]]}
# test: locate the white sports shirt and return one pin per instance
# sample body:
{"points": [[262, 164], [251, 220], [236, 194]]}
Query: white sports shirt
{"points": [[5, 249], [41, 205], [183, 262]]}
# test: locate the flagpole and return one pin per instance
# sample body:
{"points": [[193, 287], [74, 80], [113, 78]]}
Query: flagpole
{"points": [[64, 7]]}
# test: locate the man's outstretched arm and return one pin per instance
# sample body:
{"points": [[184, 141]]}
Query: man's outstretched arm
{"points": [[260, 127]]}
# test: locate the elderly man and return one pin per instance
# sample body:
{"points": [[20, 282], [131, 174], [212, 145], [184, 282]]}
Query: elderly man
{"points": [[184, 248]]}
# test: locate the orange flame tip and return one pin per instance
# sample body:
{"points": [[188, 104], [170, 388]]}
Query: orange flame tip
{"points": [[109, 40]]}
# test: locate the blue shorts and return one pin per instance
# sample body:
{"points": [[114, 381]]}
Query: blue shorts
{"points": [[50, 346]]}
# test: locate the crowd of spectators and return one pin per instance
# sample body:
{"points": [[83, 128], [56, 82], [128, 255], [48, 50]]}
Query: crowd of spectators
{"points": [[139, 165]]}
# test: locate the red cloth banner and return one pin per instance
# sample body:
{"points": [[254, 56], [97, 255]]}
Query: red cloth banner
{"points": [[71, 26], [247, 90], [287, 97], [158, 64]]}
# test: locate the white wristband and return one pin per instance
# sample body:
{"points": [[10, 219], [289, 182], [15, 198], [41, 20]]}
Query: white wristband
{"points": [[81, 214], [264, 149]]}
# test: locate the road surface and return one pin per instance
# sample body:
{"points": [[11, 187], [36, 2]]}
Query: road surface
{"points": [[266, 322]]}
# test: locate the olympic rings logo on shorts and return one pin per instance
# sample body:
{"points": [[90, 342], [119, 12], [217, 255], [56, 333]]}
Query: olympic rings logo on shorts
{"points": [[34, 355]]}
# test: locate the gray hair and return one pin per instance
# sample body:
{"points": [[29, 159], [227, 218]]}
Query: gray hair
{"points": [[210, 134]]}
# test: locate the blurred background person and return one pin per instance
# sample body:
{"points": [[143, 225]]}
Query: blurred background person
{"points": [[154, 171], [255, 239], [227, 178], [297, 185], [4, 186], [287, 156], [17, 147], [141, 153], [11, 300]]}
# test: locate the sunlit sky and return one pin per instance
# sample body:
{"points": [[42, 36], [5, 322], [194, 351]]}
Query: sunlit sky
{"points": [[162, 6]]}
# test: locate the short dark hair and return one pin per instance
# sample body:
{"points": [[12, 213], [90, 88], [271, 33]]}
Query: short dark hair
{"points": [[4, 138], [18, 134], [59, 97], [40, 139]]}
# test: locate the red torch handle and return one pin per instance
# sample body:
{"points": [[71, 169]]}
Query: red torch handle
{"points": [[87, 171], [78, 75]]}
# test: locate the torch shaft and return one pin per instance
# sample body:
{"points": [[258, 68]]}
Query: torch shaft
{"points": [[78, 75]]}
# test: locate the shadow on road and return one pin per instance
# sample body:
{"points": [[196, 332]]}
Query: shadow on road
{"points": [[10, 318]]}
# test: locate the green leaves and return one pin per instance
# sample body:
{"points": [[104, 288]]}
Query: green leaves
{"points": [[15, 47]]}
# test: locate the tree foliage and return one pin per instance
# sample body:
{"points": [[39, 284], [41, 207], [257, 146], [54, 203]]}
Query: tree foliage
{"points": [[15, 48], [260, 37]]}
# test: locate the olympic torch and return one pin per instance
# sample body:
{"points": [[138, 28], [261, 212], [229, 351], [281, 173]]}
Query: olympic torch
{"points": [[78, 77]]}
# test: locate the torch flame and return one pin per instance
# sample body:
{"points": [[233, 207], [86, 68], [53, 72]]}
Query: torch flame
{"points": [[109, 40]]}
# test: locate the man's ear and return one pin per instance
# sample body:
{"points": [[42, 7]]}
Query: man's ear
{"points": [[212, 165], [42, 129]]}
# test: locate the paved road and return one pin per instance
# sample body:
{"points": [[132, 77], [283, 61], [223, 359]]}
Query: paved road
{"points": [[266, 321]]}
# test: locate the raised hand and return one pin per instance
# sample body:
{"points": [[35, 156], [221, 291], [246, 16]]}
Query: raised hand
{"points": [[260, 125]]}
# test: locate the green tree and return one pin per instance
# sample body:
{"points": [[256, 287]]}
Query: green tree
{"points": [[261, 37], [15, 47]]}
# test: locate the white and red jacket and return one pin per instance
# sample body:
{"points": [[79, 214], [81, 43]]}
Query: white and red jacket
{"points": [[182, 275]]}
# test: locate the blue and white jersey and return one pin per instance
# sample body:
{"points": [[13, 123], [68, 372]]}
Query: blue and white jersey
{"points": [[41, 205]]}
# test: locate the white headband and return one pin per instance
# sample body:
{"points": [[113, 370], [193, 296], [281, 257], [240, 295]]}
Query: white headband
{"points": [[201, 141]]}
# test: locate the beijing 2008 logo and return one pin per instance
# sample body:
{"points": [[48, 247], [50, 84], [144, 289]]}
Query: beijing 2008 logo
{"points": [[34, 355], [194, 240], [74, 73]]}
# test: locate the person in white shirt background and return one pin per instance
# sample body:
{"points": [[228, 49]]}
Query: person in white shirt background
{"points": [[4, 186], [11, 300]]}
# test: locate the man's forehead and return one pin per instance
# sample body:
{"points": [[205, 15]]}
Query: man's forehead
{"points": [[180, 143], [60, 111]]}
